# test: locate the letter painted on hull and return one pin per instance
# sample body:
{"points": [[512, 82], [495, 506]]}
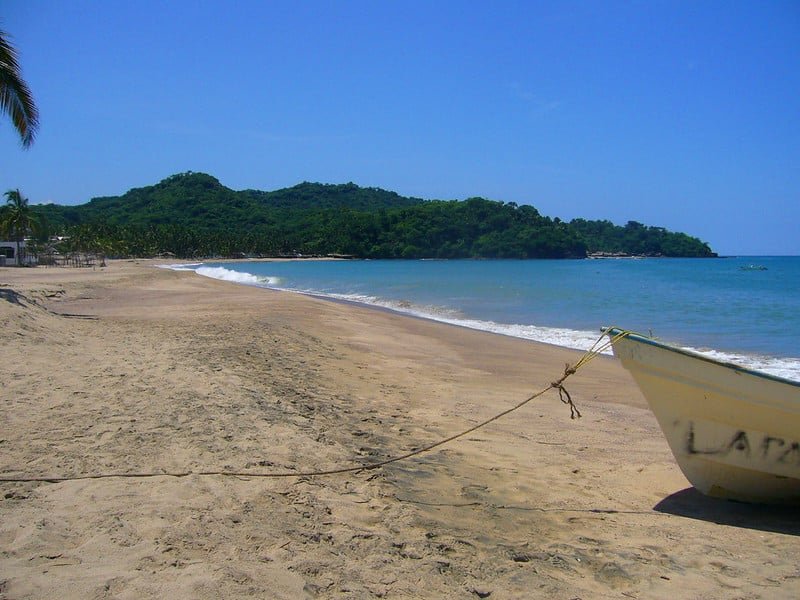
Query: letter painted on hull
{"points": [[744, 448]]}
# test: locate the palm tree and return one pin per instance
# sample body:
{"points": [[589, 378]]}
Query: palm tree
{"points": [[17, 218], [15, 96]]}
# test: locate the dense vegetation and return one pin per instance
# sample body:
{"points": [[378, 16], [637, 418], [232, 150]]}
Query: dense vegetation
{"points": [[637, 239], [194, 215]]}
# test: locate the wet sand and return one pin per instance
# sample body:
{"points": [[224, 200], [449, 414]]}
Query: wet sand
{"points": [[134, 369]]}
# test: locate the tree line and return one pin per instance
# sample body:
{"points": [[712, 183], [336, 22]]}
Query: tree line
{"points": [[192, 215]]}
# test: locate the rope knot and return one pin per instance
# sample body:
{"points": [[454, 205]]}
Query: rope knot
{"points": [[564, 395]]}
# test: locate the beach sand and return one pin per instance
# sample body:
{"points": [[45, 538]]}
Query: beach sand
{"points": [[134, 369]]}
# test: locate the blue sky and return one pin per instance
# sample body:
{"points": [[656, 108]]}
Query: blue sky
{"points": [[679, 114]]}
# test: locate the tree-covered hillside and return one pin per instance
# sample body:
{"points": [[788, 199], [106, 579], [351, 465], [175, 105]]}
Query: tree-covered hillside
{"points": [[638, 239], [318, 196], [200, 201], [194, 215]]}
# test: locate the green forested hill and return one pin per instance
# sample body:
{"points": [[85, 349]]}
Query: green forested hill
{"points": [[194, 215], [201, 201], [318, 196]]}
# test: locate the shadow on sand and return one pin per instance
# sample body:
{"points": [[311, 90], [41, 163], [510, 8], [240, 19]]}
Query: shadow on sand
{"points": [[12, 297], [692, 504]]}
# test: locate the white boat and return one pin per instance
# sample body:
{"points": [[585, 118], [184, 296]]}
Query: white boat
{"points": [[734, 432]]}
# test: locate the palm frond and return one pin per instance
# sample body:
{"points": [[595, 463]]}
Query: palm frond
{"points": [[16, 99]]}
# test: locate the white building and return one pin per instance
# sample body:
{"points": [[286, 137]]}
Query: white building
{"points": [[8, 254]]}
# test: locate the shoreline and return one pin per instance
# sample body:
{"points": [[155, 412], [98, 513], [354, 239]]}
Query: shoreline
{"points": [[780, 365], [489, 327], [135, 369]]}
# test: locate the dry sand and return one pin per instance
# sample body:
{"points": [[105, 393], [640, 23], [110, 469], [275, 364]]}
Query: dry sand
{"points": [[136, 369]]}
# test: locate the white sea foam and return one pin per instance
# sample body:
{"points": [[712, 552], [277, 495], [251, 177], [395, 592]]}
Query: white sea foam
{"points": [[181, 266], [568, 338], [236, 276], [788, 368]]}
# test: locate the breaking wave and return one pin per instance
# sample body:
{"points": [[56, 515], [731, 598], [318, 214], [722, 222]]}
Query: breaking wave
{"points": [[224, 274]]}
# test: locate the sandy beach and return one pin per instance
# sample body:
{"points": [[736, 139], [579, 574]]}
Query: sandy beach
{"points": [[134, 369]]}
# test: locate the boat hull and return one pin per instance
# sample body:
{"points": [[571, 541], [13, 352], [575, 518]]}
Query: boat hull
{"points": [[735, 433]]}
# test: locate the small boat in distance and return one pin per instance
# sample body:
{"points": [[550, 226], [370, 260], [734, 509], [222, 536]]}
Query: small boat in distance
{"points": [[734, 432], [752, 268]]}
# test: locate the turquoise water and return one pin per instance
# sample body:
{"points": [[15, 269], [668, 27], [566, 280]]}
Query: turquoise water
{"points": [[719, 306]]}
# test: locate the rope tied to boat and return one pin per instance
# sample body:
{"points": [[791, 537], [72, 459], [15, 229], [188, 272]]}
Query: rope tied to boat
{"points": [[597, 348]]}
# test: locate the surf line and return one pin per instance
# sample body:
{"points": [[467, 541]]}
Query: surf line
{"points": [[597, 348]]}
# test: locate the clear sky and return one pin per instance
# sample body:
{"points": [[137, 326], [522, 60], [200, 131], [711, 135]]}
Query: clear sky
{"points": [[682, 114]]}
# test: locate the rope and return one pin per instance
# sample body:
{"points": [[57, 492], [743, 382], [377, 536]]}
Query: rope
{"points": [[597, 348]]}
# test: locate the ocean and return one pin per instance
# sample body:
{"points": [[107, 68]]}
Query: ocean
{"points": [[740, 309]]}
